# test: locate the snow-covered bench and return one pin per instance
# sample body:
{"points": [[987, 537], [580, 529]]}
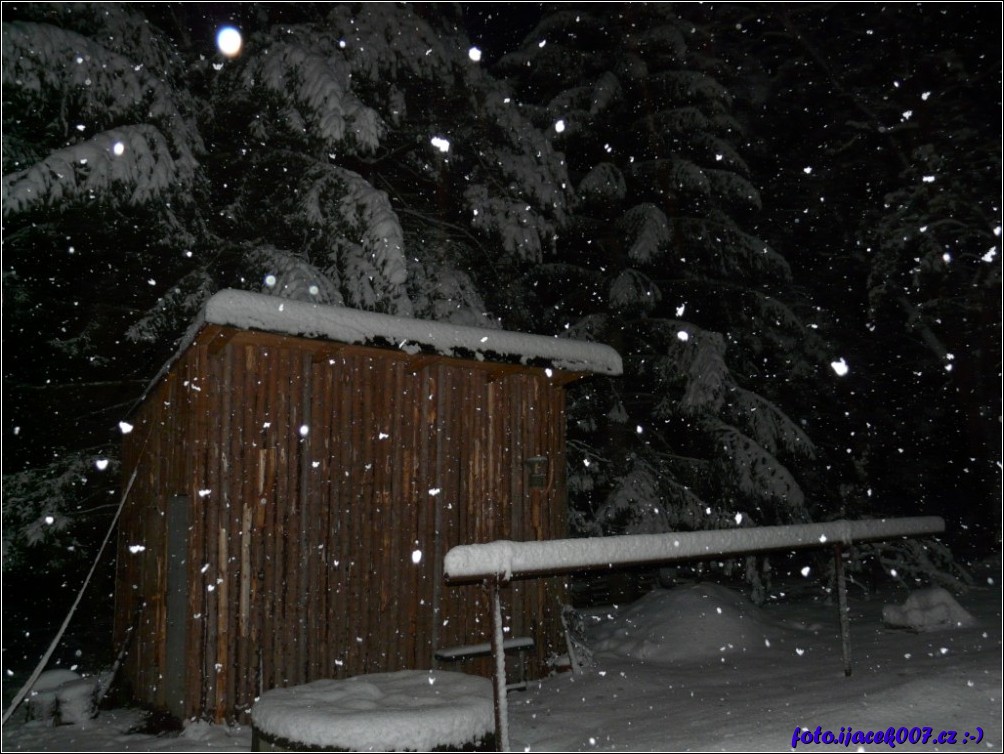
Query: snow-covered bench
{"points": [[520, 644], [416, 710]]}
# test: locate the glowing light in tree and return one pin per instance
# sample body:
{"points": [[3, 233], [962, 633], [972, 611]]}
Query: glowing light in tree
{"points": [[229, 41]]}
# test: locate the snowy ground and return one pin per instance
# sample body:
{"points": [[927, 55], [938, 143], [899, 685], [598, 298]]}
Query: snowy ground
{"points": [[700, 668], [705, 680]]}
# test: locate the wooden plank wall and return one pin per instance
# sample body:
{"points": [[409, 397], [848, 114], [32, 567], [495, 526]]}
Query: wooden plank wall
{"points": [[162, 447], [326, 483]]}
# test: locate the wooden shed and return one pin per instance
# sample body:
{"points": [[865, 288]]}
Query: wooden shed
{"points": [[300, 472]]}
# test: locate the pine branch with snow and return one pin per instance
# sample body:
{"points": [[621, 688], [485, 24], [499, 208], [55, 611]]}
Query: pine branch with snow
{"points": [[121, 130], [360, 234], [765, 420], [175, 309], [47, 507], [440, 290], [305, 71], [646, 228], [132, 162], [754, 471]]}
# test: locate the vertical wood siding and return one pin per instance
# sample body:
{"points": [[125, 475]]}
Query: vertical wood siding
{"points": [[316, 475]]}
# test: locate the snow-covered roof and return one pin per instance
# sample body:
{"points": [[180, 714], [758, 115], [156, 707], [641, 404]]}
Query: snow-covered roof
{"points": [[257, 311]]}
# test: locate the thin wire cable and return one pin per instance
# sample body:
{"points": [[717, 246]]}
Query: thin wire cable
{"points": [[66, 622]]}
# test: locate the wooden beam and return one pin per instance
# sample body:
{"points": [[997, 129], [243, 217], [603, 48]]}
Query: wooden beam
{"points": [[218, 337]]}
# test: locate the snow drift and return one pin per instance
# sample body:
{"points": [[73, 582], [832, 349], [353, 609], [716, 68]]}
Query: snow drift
{"points": [[928, 610], [696, 622]]}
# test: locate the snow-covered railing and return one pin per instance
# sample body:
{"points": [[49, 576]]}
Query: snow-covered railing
{"points": [[498, 562], [507, 560]]}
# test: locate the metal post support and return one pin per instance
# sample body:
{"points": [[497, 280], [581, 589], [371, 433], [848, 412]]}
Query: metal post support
{"points": [[845, 615], [498, 672]]}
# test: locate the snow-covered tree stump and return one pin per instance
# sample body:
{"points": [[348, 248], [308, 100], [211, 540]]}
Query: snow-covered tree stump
{"points": [[410, 710]]}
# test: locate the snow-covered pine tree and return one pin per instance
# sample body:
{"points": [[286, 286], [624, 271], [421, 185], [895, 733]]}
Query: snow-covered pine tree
{"points": [[101, 156], [352, 154], [930, 245], [654, 259], [365, 159], [101, 182], [886, 190], [49, 505], [317, 156], [478, 187]]}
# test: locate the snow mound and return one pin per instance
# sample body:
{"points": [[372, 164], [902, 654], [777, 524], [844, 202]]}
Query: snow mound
{"points": [[928, 610], [62, 696], [410, 709], [686, 623], [51, 680]]}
